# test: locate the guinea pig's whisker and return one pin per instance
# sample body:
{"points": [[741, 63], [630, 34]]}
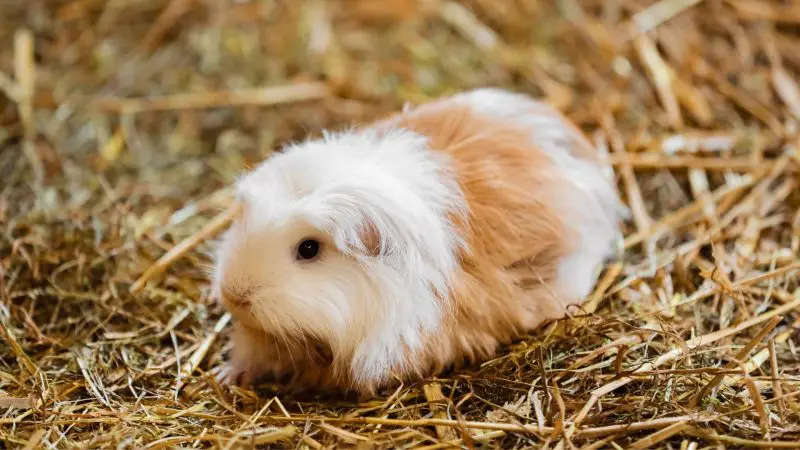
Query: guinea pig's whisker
{"points": [[276, 342], [289, 351], [304, 340]]}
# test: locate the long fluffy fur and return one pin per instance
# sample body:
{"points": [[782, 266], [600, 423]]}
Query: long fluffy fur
{"points": [[447, 230]]}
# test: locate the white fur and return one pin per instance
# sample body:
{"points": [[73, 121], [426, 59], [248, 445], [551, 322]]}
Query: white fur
{"points": [[367, 308], [592, 208]]}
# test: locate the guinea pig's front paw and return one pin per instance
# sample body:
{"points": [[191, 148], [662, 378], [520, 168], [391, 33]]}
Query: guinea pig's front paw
{"points": [[239, 374]]}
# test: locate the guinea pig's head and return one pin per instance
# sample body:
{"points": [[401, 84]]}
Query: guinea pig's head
{"points": [[348, 239]]}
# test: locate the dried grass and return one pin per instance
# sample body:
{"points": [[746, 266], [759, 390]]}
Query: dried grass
{"points": [[122, 122]]}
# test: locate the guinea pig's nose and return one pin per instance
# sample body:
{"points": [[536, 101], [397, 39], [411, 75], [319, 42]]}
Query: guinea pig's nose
{"points": [[236, 295]]}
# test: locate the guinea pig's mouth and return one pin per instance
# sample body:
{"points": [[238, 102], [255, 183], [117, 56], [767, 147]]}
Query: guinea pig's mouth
{"points": [[242, 311], [244, 304]]}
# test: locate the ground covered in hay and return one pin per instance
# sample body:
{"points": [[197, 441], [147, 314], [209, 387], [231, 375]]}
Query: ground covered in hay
{"points": [[122, 122]]}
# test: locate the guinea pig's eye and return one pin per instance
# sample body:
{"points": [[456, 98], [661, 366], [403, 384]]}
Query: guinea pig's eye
{"points": [[308, 249]]}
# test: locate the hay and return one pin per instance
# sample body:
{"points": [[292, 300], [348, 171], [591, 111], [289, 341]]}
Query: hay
{"points": [[123, 122]]}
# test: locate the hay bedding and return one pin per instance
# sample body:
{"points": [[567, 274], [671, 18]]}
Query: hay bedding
{"points": [[690, 340]]}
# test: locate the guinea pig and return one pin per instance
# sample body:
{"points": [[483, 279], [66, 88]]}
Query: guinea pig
{"points": [[422, 241]]}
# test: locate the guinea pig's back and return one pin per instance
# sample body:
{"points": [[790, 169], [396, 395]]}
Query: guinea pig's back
{"points": [[542, 215], [586, 200]]}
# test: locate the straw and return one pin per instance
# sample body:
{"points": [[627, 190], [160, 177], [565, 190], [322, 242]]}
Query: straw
{"points": [[125, 124]]}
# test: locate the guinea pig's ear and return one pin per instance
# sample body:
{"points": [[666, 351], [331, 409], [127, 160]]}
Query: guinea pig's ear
{"points": [[370, 239]]}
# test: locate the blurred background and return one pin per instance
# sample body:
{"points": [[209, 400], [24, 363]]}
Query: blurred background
{"points": [[123, 122], [702, 65]]}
